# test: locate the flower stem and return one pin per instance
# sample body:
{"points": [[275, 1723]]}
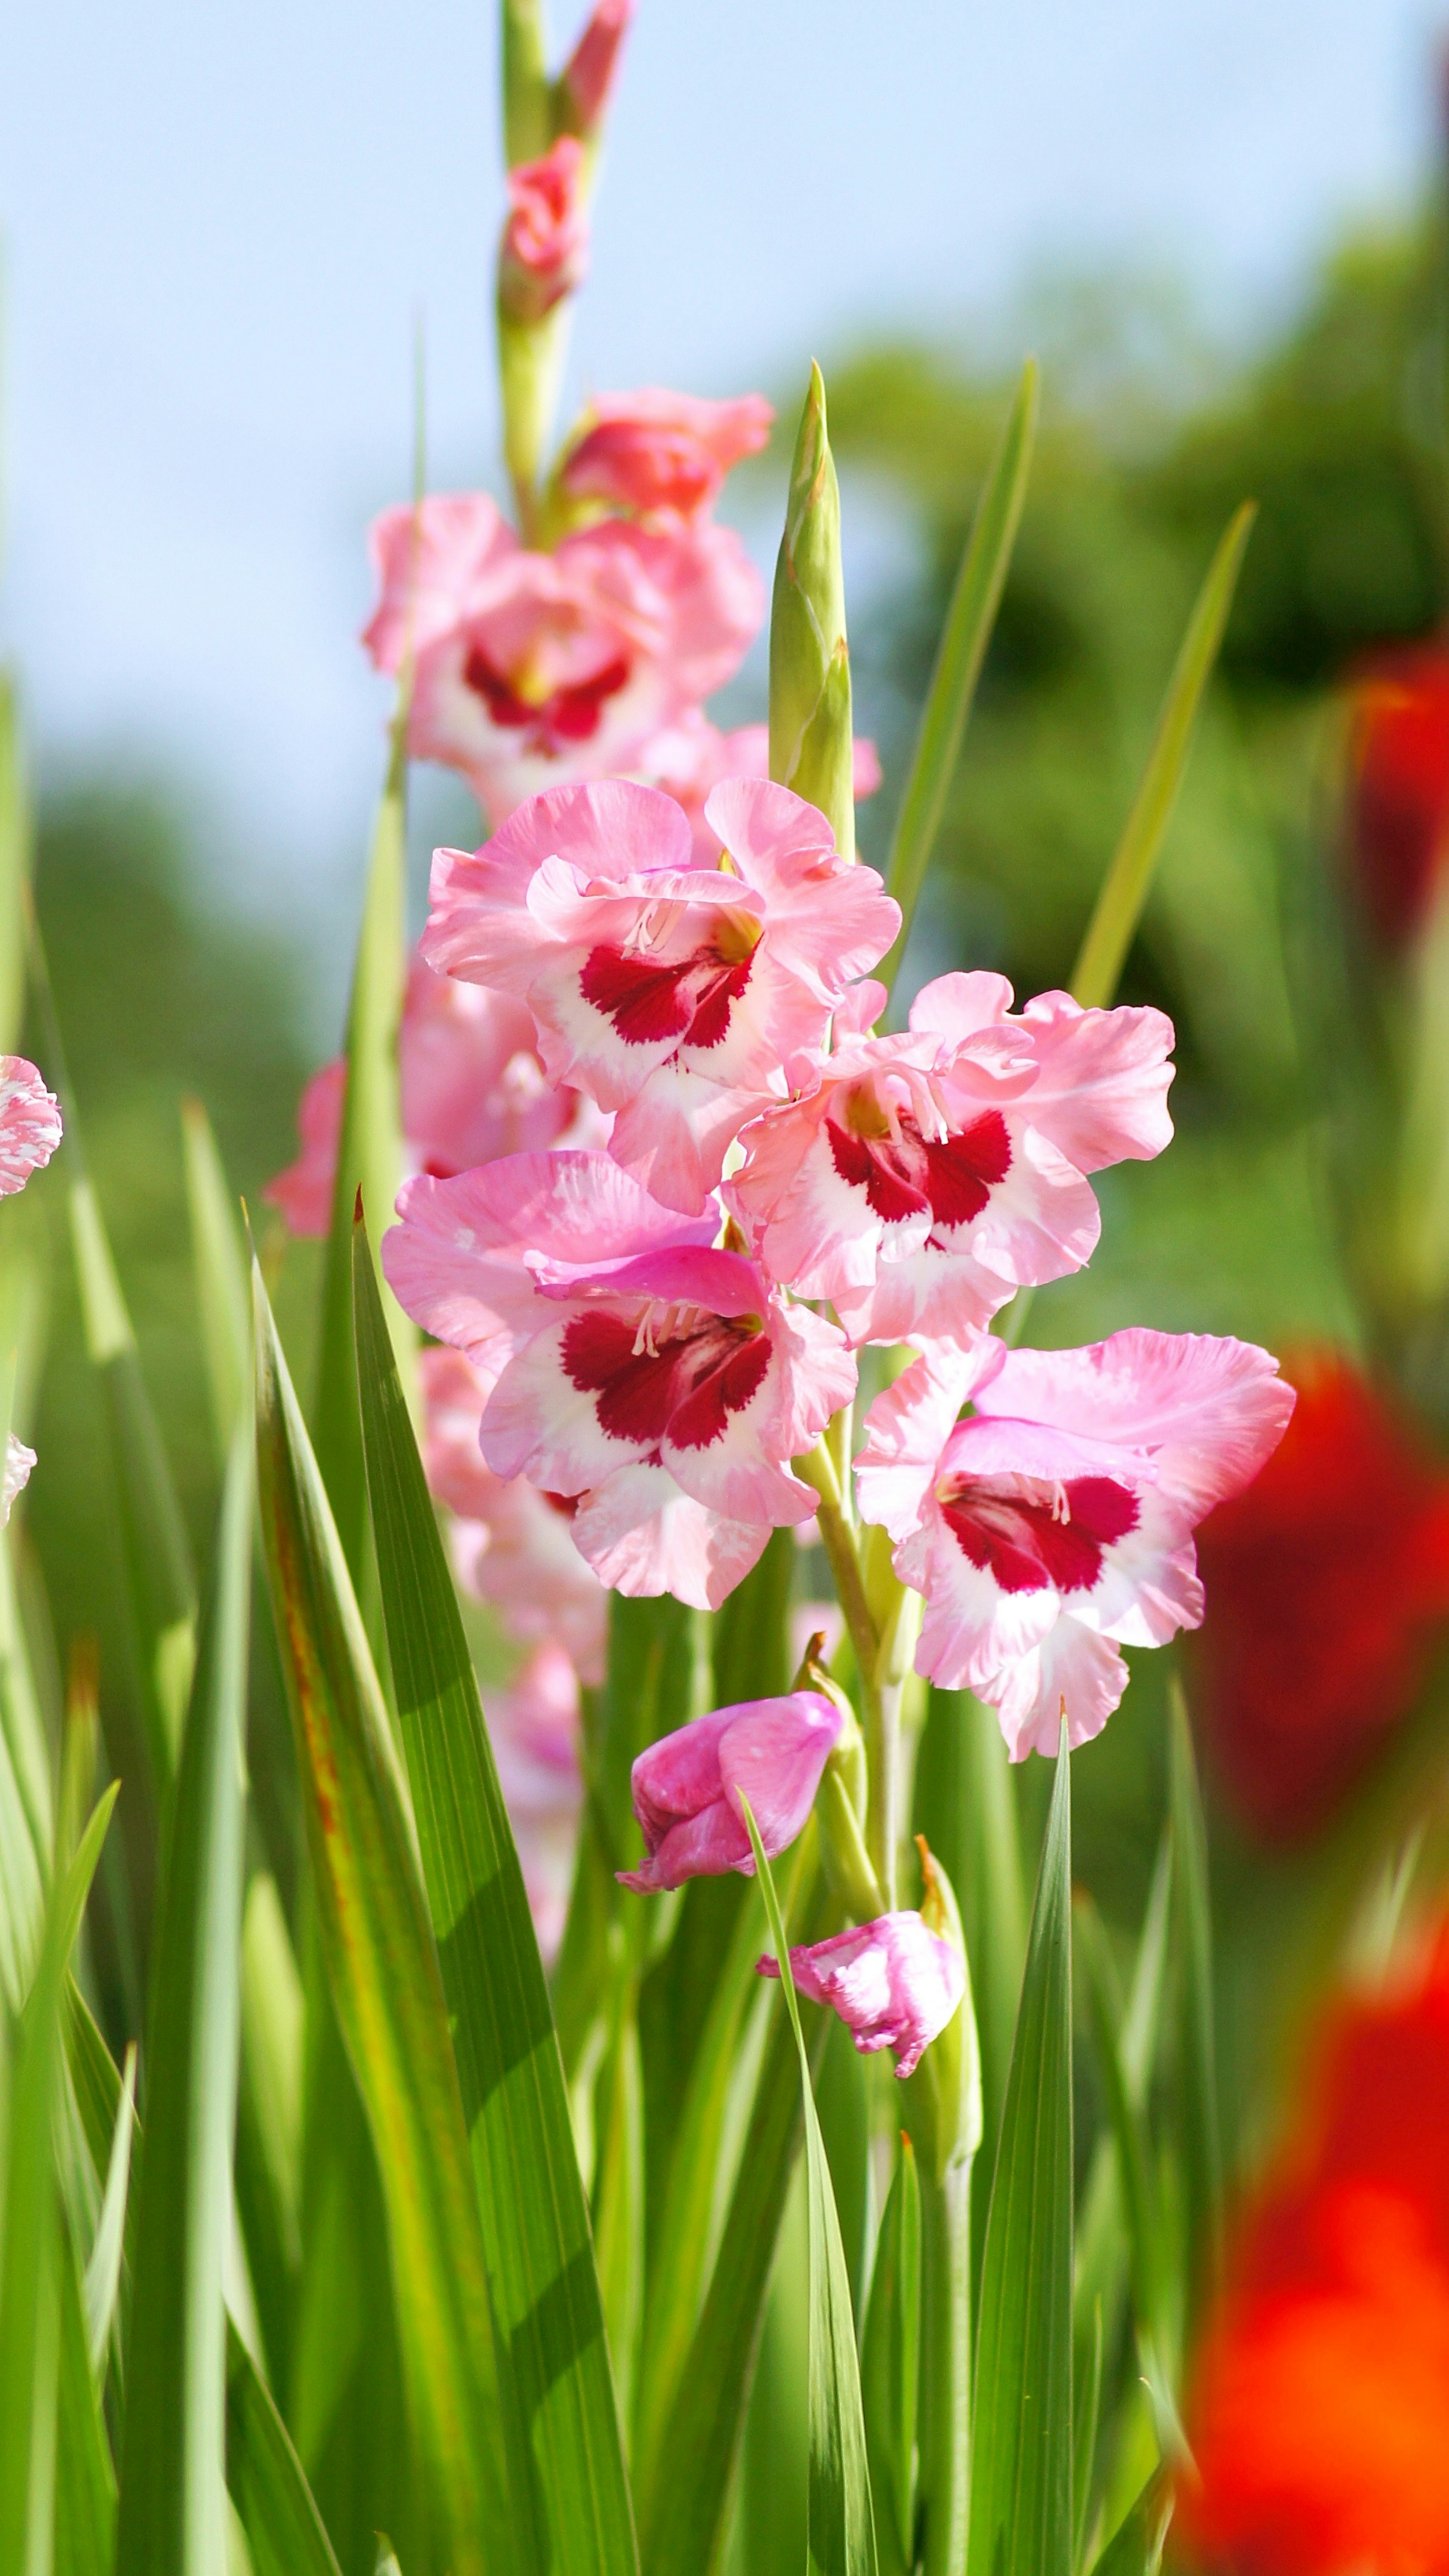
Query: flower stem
{"points": [[945, 2416]]}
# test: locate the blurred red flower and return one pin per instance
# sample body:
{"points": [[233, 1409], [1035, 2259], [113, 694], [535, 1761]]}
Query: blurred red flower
{"points": [[1326, 1581], [1399, 786], [1319, 2417]]}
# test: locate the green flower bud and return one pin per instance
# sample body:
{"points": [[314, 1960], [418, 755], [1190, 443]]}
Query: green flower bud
{"points": [[810, 728], [944, 2094]]}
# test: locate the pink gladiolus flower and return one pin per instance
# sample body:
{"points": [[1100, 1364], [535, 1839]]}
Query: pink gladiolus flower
{"points": [[588, 75], [15, 1475], [1055, 1524], [893, 1983], [533, 1726], [653, 450], [691, 757], [29, 1123], [687, 1787], [673, 994], [534, 667], [511, 1545], [654, 1377], [545, 246], [473, 1087], [923, 1178]]}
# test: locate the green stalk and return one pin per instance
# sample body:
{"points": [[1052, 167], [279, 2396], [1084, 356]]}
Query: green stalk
{"points": [[945, 2427]]}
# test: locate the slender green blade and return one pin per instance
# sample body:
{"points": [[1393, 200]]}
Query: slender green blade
{"points": [[1125, 887], [219, 1263], [369, 1152], [1202, 2141], [841, 2516], [1127, 2125], [103, 2270], [890, 2367], [959, 656], [1021, 2485], [1088, 2408], [681, 2494], [269, 2120], [1135, 2548], [385, 1984], [534, 2216], [85, 2478], [173, 2490], [284, 2530], [30, 2241]]}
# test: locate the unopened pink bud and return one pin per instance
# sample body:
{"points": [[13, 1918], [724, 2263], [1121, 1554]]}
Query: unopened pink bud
{"points": [[687, 1787], [893, 1983], [546, 238], [588, 75]]}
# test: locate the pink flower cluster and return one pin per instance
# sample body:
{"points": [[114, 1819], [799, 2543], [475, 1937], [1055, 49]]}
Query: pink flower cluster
{"points": [[644, 1314], [29, 1134]]}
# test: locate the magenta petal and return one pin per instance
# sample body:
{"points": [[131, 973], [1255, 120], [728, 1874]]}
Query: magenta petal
{"points": [[702, 1846], [679, 1776], [893, 1983], [773, 1753]]}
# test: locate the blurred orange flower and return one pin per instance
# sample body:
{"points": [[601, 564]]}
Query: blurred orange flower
{"points": [[1320, 2411], [1326, 1581], [1399, 792]]}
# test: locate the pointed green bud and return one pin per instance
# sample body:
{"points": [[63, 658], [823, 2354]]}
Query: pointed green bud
{"points": [[944, 2094], [810, 729]]}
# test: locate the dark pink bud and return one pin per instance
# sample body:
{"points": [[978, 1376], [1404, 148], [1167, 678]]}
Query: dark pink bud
{"points": [[588, 75], [687, 1787], [546, 238], [893, 1983], [654, 450]]}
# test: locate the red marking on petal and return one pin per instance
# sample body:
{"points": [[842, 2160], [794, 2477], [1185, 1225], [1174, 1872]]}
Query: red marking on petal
{"points": [[568, 715], [873, 1167], [710, 1024], [704, 1415], [572, 715], [498, 694], [962, 1171], [635, 1389], [643, 1000], [1024, 1546]]}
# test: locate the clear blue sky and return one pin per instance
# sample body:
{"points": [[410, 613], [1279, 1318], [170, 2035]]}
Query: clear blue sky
{"points": [[218, 223]]}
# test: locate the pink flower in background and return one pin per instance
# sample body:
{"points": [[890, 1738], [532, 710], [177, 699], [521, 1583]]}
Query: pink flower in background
{"points": [[15, 1474], [653, 450], [1055, 1524], [531, 668], [473, 1087], [588, 75], [654, 1377], [673, 994], [894, 1984], [687, 1787], [29, 1123], [545, 248], [533, 1726], [687, 759], [511, 1545], [923, 1178]]}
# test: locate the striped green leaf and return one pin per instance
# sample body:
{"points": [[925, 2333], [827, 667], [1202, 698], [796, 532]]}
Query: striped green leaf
{"points": [[30, 2237], [1201, 2134], [1128, 881], [284, 2530], [841, 2524], [85, 2477], [172, 2518], [535, 2221], [385, 1984], [1021, 2457], [959, 656]]}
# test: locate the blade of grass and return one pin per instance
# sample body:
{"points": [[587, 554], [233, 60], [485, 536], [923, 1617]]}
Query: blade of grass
{"points": [[30, 2244], [1135, 2548], [1201, 2135], [383, 1976], [890, 2366], [219, 1264], [284, 2531], [534, 2217], [1088, 2407], [1021, 2484], [959, 656], [85, 2477], [369, 1150], [841, 2524], [173, 2480], [1118, 908], [103, 2271]]}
